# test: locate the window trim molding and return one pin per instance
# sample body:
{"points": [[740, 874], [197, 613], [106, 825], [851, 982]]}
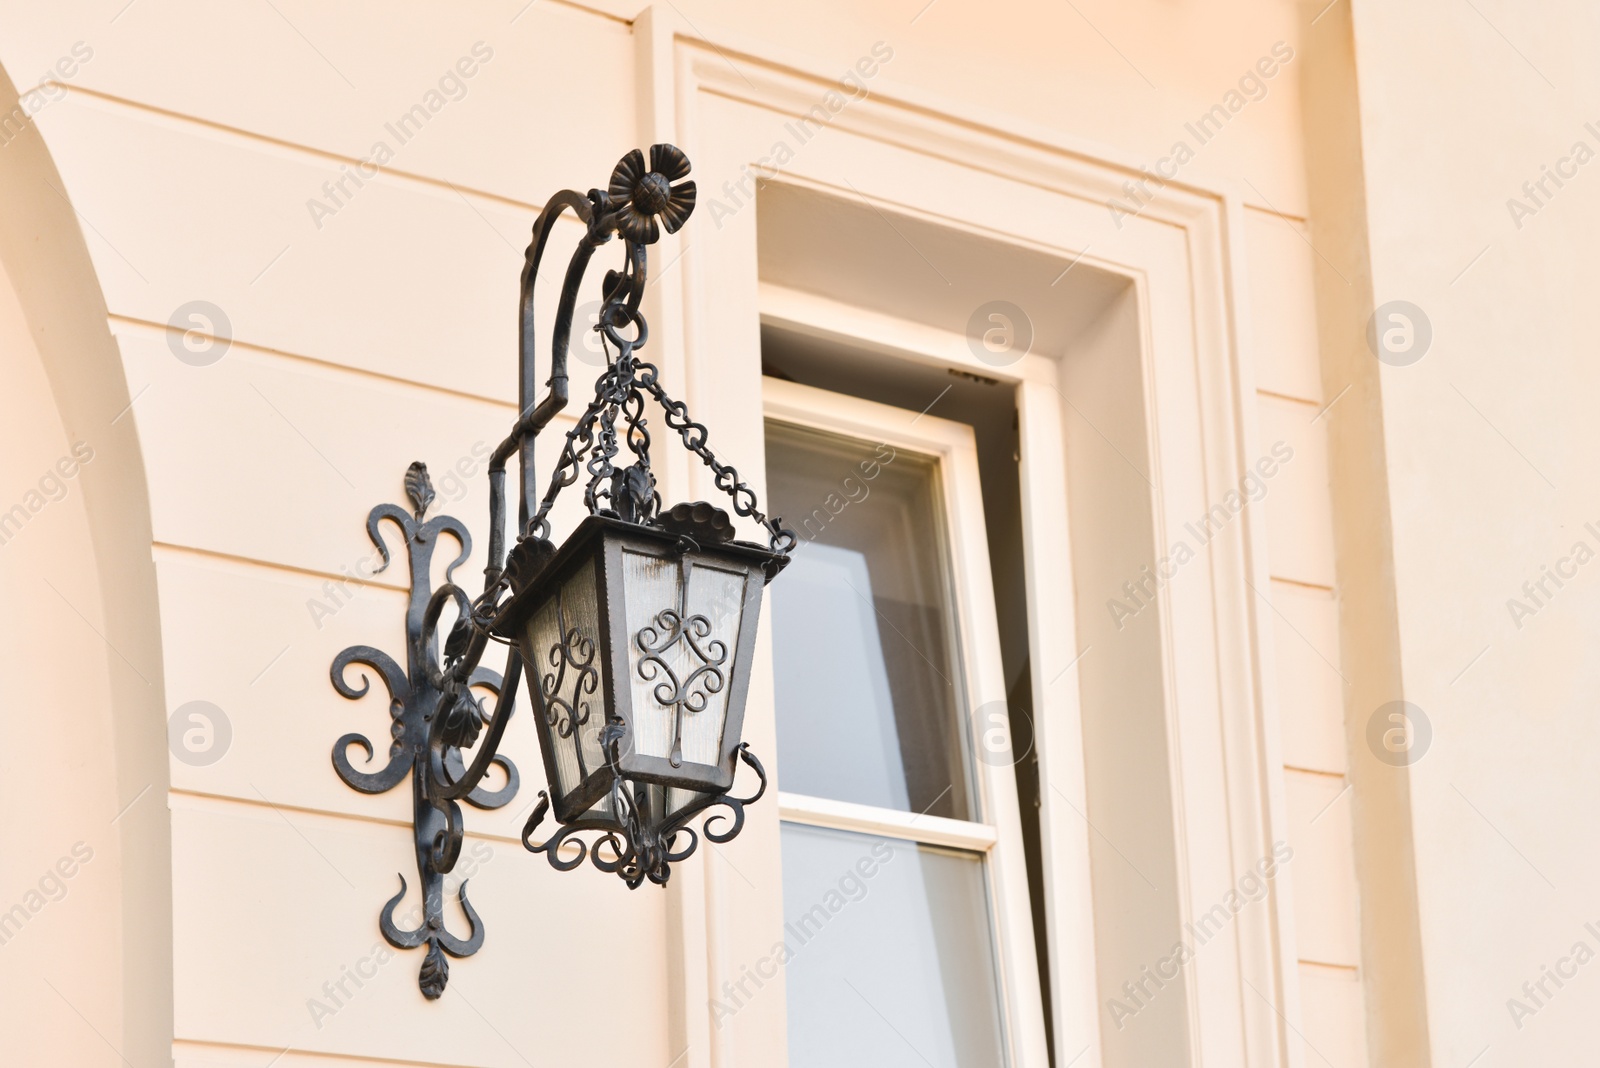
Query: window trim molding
{"points": [[1182, 255]]}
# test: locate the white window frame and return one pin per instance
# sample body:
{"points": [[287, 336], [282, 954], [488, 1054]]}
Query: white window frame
{"points": [[996, 833]]}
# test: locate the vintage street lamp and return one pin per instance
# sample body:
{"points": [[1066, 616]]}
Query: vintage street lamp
{"points": [[635, 635]]}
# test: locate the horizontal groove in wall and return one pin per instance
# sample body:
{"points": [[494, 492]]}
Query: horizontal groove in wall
{"points": [[1343, 971], [1302, 584], [399, 584], [244, 1054], [1292, 399], [204, 801], [334, 366], [1319, 772], [294, 148]]}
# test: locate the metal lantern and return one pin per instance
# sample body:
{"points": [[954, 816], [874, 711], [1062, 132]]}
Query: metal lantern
{"points": [[635, 636], [636, 640]]}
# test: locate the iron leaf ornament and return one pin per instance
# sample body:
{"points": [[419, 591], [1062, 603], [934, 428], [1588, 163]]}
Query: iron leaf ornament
{"points": [[419, 487]]}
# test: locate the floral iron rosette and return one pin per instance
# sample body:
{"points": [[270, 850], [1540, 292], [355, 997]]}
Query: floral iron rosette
{"points": [[637, 196]]}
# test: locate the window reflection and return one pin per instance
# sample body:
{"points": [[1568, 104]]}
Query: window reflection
{"points": [[890, 955], [867, 697]]}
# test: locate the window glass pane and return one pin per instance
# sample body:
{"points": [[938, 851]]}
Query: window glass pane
{"points": [[891, 959], [867, 696]]}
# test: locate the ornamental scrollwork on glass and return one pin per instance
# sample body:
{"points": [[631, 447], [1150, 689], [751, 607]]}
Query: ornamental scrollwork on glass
{"points": [[693, 692]]}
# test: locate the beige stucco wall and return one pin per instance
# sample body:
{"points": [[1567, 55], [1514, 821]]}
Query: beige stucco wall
{"points": [[1489, 446], [191, 142]]}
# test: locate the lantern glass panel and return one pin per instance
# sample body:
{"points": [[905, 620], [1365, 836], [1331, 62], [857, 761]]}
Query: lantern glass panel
{"points": [[665, 802], [563, 643], [601, 810], [683, 618]]}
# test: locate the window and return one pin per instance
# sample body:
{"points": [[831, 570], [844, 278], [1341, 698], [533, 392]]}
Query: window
{"points": [[904, 887]]}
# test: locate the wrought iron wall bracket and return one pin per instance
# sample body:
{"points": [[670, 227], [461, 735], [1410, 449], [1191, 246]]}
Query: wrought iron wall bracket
{"points": [[436, 717], [429, 726]]}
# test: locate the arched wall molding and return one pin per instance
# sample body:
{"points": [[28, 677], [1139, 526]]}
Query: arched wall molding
{"points": [[101, 774]]}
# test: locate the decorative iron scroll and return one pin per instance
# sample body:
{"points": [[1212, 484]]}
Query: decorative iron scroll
{"points": [[429, 726], [573, 651], [646, 850], [681, 695]]}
